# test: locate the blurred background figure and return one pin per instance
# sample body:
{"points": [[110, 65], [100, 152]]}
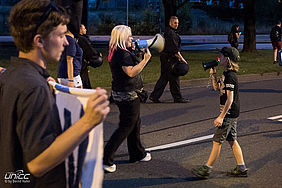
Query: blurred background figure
{"points": [[2, 70], [275, 37], [91, 57], [233, 36], [70, 63], [74, 9]]}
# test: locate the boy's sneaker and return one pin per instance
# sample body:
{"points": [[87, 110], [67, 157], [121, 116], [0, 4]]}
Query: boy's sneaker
{"points": [[202, 172], [237, 172], [275, 62], [110, 169]]}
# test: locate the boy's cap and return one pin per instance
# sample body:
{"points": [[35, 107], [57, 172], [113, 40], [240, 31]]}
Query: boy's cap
{"points": [[231, 52]]}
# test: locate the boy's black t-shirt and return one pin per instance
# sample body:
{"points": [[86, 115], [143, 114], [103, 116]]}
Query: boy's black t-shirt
{"points": [[231, 83]]}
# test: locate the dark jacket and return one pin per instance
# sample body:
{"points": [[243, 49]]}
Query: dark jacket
{"points": [[172, 41], [90, 55], [275, 34]]}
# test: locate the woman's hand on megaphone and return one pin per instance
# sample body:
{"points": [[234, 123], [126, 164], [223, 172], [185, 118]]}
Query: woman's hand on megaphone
{"points": [[147, 55]]}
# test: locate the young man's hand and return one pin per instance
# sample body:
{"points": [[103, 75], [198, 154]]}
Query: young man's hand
{"points": [[51, 79], [97, 107]]}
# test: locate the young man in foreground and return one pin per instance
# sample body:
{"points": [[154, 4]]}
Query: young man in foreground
{"points": [[31, 139]]}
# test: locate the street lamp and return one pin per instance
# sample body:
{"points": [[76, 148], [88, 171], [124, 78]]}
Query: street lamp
{"points": [[127, 12]]}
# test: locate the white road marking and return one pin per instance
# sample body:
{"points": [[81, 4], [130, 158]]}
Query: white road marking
{"points": [[193, 140], [275, 117]]}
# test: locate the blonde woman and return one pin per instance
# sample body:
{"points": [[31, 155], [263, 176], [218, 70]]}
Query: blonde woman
{"points": [[226, 122], [126, 80]]}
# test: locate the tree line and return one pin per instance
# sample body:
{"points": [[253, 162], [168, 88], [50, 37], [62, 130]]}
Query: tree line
{"points": [[171, 7]]}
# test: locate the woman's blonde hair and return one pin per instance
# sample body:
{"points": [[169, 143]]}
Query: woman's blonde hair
{"points": [[119, 36], [231, 65]]}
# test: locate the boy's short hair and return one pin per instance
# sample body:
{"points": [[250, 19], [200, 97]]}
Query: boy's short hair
{"points": [[27, 19]]}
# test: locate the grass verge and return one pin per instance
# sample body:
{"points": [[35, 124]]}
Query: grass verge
{"points": [[251, 63]]}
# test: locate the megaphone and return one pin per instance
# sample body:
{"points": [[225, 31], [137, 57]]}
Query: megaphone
{"points": [[157, 43], [208, 65]]}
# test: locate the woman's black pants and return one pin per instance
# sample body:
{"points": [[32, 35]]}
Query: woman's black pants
{"points": [[129, 127]]}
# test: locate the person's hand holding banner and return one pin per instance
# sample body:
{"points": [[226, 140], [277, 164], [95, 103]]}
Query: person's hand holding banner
{"points": [[97, 107], [84, 165]]}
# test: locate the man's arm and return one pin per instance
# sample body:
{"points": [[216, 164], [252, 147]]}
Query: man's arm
{"points": [[96, 111], [180, 57], [70, 71], [238, 34]]}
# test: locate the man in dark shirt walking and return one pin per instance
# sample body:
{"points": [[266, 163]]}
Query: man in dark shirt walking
{"points": [[171, 51], [32, 145], [275, 37]]}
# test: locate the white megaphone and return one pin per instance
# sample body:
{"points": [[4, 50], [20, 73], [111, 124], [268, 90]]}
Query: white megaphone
{"points": [[157, 43]]}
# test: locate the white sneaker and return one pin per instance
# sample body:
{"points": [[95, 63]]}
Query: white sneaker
{"points": [[110, 169], [148, 157]]}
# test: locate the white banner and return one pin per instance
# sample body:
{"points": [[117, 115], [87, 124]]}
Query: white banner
{"points": [[84, 165]]}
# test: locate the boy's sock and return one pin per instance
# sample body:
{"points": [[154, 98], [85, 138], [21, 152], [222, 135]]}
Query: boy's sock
{"points": [[210, 167], [242, 167]]}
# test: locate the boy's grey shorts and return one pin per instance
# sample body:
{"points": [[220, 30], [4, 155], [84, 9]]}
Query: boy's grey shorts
{"points": [[227, 131]]}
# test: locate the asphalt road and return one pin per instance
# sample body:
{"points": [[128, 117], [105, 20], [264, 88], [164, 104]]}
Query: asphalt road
{"points": [[189, 127]]}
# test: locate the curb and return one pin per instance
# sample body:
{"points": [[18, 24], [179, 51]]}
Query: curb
{"points": [[203, 82]]}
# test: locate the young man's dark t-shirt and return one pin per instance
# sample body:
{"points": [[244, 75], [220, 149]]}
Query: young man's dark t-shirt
{"points": [[231, 83], [29, 123]]}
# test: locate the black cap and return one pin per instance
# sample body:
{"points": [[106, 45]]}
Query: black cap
{"points": [[231, 52]]}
